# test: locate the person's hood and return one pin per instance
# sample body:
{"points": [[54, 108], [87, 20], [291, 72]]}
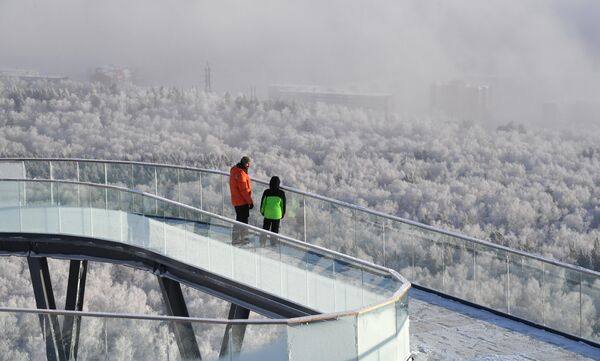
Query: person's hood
{"points": [[274, 183]]}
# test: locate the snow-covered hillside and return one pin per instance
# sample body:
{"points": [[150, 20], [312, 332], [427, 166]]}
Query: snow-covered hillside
{"points": [[530, 188]]}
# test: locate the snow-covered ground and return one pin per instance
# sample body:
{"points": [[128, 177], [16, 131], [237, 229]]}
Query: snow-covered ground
{"points": [[442, 329]]}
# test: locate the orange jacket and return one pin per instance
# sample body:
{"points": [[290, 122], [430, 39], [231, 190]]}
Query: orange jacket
{"points": [[240, 186]]}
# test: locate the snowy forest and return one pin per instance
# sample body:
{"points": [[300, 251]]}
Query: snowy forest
{"points": [[529, 188], [522, 186]]}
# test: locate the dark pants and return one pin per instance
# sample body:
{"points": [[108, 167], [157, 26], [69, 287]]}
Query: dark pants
{"points": [[270, 225], [242, 213]]}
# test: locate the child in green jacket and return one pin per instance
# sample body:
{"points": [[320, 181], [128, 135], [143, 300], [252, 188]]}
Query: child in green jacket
{"points": [[272, 206]]}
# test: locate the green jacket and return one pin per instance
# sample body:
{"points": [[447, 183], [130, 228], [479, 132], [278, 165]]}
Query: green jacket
{"points": [[272, 204]]}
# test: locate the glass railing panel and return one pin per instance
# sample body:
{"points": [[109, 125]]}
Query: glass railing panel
{"points": [[168, 209], [28, 336], [292, 224], [209, 338], [377, 334], [64, 170], [291, 261], [349, 286], [38, 193], [330, 340], [106, 224], [321, 281], [212, 193], [75, 208], [343, 229], [130, 339], [11, 198], [491, 270], [525, 288], [92, 172], [144, 179], [562, 299], [428, 257], [369, 237], [40, 214], [22, 336], [377, 285], [120, 175], [459, 268], [13, 170], [402, 328], [66, 194], [11, 194], [245, 260], [399, 248], [590, 307], [318, 222], [37, 169], [98, 197], [262, 342], [401, 313], [190, 188], [167, 183]]}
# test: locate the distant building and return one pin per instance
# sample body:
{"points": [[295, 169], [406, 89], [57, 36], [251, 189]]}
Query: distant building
{"points": [[315, 94], [461, 100], [28, 75], [112, 75]]}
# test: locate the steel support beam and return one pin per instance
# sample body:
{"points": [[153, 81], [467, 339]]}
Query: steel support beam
{"points": [[82, 248], [184, 332], [234, 334], [74, 302], [44, 299]]}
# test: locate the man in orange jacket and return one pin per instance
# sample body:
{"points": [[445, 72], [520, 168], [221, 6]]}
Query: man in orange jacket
{"points": [[241, 194]]}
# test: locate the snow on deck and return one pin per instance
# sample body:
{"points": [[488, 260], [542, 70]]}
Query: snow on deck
{"points": [[442, 329]]}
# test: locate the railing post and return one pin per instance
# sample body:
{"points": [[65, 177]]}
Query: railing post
{"points": [[443, 238], [222, 197], [78, 180], [580, 304], [383, 239], [354, 220], [106, 183], [51, 184], [507, 283], [330, 225], [304, 215], [475, 273], [201, 190], [543, 295], [156, 191]]}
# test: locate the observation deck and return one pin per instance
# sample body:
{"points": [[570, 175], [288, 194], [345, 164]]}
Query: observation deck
{"points": [[542, 293], [322, 305]]}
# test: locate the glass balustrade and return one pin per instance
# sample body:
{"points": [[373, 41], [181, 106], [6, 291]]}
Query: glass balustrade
{"points": [[516, 283], [288, 269], [319, 279]]}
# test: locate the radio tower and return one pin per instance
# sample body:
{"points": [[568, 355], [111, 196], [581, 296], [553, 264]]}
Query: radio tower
{"points": [[207, 83]]}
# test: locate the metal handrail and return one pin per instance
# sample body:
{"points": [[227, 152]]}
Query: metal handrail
{"points": [[135, 316], [396, 296], [337, 202]]}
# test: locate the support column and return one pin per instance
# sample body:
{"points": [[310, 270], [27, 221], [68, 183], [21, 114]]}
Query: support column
{"points": [[235, 332], [184, 332], [44, 299], [74, 302]]}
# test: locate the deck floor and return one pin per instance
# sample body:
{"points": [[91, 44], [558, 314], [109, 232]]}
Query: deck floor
{"points": [[442, 329]]}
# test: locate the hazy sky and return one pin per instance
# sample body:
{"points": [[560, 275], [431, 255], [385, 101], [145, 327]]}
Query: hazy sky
{"points": [[379, 45]]}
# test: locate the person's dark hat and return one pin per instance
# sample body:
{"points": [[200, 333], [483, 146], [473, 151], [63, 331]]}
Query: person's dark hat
{"points": [[245, 159]]}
